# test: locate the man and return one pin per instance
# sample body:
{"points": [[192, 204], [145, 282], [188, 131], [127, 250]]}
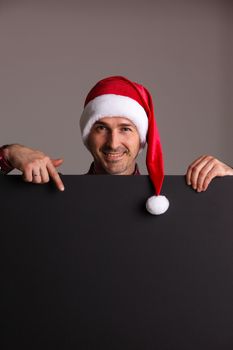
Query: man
{"points": [[114, 144], [199, 173]]}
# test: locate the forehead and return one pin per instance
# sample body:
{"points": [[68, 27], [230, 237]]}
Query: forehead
{"points": [[116, 121]]}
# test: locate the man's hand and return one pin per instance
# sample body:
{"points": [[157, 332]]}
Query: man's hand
{"points": [[202, 171], [35, 165]]}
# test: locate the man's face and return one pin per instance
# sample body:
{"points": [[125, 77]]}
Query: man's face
{"points": [[114, 143]]}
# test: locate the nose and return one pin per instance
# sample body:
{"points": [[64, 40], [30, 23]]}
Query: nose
{"points": [[113, 140]]}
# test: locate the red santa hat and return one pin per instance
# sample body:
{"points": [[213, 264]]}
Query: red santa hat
{"points": [[118, 96]]}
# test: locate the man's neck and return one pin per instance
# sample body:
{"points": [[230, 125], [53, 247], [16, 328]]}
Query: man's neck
{"points": [[95, 170]]}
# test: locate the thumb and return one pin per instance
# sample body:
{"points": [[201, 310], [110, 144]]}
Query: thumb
{"points": [[57, 162]]}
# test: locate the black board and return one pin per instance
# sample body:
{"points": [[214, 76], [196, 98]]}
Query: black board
{"points": [[89, 268]]}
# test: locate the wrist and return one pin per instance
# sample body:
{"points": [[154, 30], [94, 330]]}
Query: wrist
{"points": [[5, 164], [5, 152], [10, 151]]}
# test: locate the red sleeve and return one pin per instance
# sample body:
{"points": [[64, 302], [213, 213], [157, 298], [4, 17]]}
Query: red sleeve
{"points": [[5, 166]]}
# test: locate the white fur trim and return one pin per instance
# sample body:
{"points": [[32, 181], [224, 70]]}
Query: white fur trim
{"points": [[111, 105], [157, 205]]}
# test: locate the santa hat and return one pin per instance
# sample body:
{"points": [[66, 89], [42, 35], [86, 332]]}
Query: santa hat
{"points": [[118, 96]]}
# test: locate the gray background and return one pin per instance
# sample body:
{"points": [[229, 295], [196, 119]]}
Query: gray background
{"points": [[53, 52]]}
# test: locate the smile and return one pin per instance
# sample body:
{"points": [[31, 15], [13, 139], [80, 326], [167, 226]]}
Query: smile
{"points": [[113, 156]]}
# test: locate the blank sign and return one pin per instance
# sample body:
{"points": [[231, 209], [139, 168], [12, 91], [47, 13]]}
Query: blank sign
{"points": [[89, 268]]}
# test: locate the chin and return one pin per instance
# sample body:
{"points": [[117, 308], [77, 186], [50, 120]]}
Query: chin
{"points": [[113, 167], [115, 170]]}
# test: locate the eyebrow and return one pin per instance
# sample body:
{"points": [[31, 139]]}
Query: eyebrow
{"points": [[121, 124], [126, 124]]}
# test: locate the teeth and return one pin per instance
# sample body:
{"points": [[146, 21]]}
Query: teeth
{"points": [[114, 155]]}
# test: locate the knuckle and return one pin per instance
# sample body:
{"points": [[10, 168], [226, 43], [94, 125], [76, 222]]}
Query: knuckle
{"points": [[209, 157], [206, 157], [46, 159], [53, 173], [208, 178], [35, 162], [28, 167], [202, 173], [195, 168], [215, 161]]}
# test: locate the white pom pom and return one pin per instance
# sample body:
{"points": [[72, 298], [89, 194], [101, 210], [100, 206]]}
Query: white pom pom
{"points": [[157, 205]]}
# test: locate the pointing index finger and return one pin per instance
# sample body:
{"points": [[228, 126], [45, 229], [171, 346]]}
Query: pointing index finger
{"points": [[55, 177]]}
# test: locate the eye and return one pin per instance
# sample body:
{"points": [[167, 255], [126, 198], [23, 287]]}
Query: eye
{"points": [[100, 127], [126, 129]]}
